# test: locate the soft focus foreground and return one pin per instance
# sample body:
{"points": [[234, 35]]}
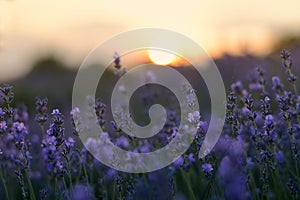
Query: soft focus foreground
{"points": [[257, 156]]}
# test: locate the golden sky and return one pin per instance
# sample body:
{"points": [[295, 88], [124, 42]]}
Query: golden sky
{"points": [[71, 28]]}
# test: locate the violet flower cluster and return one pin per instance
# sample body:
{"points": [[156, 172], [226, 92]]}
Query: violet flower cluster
{"points": [[257, 156]]}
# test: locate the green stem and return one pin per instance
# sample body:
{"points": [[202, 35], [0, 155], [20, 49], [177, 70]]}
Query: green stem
{"points": [[253, 184], [69, 175], [55, 188], [4, 184], [292, 139], [23, 193], [114, 191], [189, 186], [275, 182], [295, 90], [293, 84], [106, 192], [66, 188], [85, 173], [43, 130], [91, 175], [31, 191], [8, 107]]}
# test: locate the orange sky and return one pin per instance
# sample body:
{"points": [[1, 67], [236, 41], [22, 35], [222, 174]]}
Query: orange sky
{"points": [[71, 28]]}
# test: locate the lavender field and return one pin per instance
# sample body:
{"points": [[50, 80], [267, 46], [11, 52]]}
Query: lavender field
{"points": [[256, 157]]}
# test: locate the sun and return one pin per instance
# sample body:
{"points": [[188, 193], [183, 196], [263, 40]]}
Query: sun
{"points": [[161, 57]]}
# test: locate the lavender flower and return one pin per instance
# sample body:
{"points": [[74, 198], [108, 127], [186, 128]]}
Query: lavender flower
{"points": [[75, 121], [51, 146], [266, 107], [286, 59], [207, 167], [41, 108], [69, 143], [19, 131], [117, 61], [122, 142], [194, 117], [269, 122], [191, 157], [2, 113], [280, 157], [277, 85], [6, 93], [3, 127], [20, 181], [298, 106], [118, 66], [249, 162], [56, 127], [258, 150], [75, 111], [21, 114], [293, 187], [255, 87], [43, 194], [100, 109], [179, 162], [237, 87], [56, 112], [287, 63], [82, 192]]}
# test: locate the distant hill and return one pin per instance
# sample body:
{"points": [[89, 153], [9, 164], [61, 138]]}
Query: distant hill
{"points": [[51, 78]]}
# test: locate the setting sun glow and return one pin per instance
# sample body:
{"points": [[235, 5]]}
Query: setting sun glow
{"points": [[160, 57]]}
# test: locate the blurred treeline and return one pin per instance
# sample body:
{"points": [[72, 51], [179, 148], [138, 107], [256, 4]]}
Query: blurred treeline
{"points": [[51, 78]]}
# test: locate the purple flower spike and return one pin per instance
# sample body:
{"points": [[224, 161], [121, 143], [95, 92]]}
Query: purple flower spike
{"points": [[280, 157], [179, 162], [3, 125], [206, 167], [56, 112]]}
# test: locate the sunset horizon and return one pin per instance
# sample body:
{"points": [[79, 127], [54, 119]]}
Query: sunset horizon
{"points": [[30, 29]]}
